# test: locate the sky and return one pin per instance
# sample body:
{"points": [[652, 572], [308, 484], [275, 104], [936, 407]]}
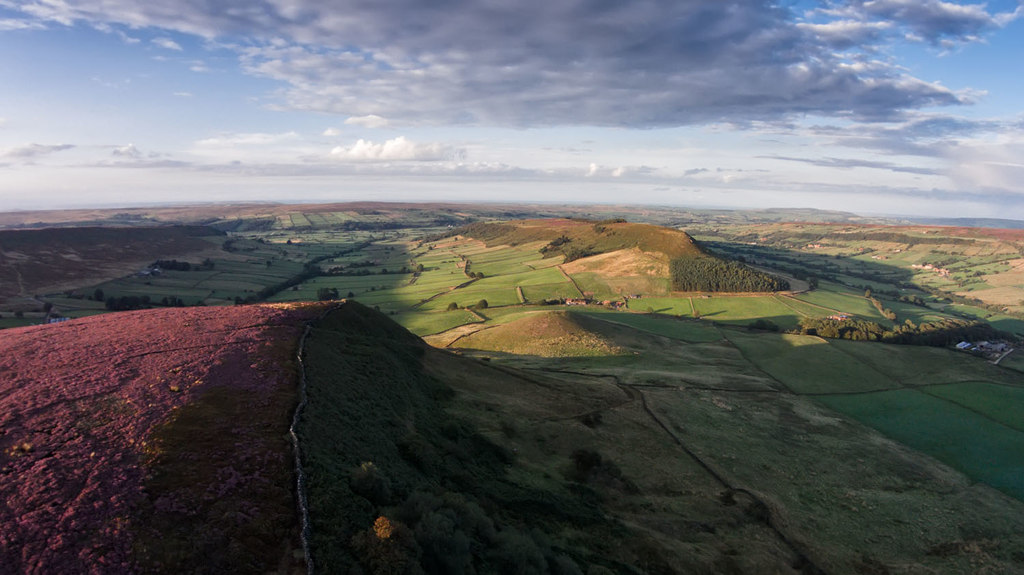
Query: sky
{"points": [[899, 107]]}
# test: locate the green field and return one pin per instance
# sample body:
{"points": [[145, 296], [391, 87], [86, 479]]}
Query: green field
{"points": [[840, 299], [994, 453], [744, 310], [1001, 403], [422, 323], [684, 330], [808, 364]]}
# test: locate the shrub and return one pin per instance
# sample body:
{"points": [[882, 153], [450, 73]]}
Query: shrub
{"points": [[482, 304], [368, 482]]}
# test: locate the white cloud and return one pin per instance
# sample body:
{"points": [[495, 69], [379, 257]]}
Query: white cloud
{"points": [[129, 151], [8, 24], [368, 121], [183, 94], [398, 149], [167, 43], [30, 151], [250, 139], [646, 63], [331, 132], [127, 39]]}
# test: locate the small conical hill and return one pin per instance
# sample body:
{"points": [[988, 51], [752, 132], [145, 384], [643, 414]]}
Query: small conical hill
{"points": [[551, 334]]}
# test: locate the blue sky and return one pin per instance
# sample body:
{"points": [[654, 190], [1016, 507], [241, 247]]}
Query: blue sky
{"points": [[907, 107]]}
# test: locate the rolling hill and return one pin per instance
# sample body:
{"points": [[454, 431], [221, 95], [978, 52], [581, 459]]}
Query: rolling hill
{"points": [[53, 259], [626, 257], [555, 334]]}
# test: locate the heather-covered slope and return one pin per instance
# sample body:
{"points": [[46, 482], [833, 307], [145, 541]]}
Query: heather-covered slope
{"points": [[149, 441]]}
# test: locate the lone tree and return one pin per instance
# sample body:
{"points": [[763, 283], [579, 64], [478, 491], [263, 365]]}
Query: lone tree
{"points": [[482, 304], [454, 306], [98, 295]]}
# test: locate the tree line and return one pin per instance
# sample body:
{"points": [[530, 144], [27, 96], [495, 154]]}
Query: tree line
{"points": [[937, 334], [705, 273]]}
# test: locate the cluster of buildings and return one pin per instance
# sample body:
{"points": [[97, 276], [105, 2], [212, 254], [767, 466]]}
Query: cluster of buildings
{"points": [[941, 271], [614, 304], [154, 271], [989, 349]]}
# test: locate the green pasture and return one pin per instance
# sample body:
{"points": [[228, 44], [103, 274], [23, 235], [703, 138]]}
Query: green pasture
{"points": [[875, 284], [8, 321], [440, 281], [802, 308], [808, 364], [835, 297], [914, 313], [542, 263], [533, 277], [560, 290], [999, 321], [684, 330], [429, 323], [594, 283], [976, 444], [1001, 403], [922, 365], [744, 310], [503, 261], [666, 305], [470, 295], [1014, 361]]}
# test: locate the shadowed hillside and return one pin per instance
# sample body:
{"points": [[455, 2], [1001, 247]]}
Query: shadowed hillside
{"points": [[34, 261]]}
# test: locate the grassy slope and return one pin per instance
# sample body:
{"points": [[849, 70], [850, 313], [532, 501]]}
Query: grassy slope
{"points": [[853, 500], [443, 485], [485, 469], [547, 334]]}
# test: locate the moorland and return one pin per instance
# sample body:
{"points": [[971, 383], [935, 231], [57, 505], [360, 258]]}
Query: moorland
{"points": [[501, 388]]}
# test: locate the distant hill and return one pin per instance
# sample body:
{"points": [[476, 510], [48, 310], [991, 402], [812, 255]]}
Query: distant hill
{"points": [[616, 249], [577, 239], [997, 223], [52, 259]]}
